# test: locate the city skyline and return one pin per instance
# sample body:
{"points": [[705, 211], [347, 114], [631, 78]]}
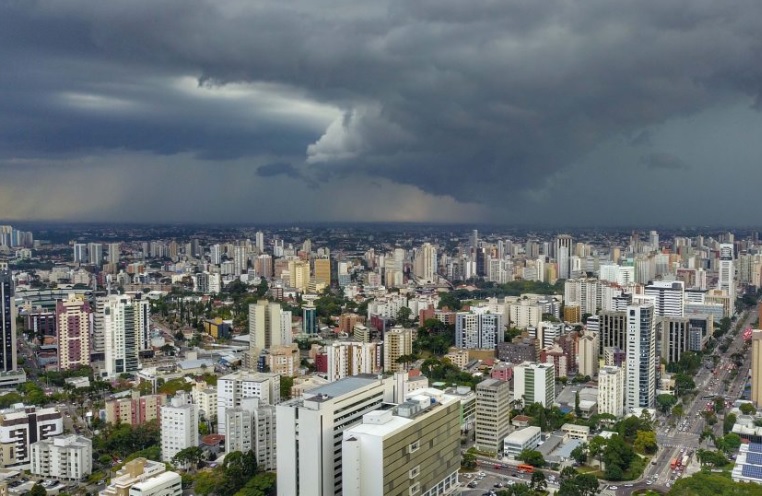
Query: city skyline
{"points": [[542, 113]]}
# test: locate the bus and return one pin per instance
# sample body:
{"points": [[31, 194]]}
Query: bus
{"points": [[674, 464], [526, 468]]}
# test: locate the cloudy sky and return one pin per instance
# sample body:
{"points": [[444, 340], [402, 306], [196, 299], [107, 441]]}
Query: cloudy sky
{"points": [[595, 112]]}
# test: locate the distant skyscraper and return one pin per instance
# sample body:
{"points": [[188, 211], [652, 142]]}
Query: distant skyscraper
{"points": [[126, 326], [73, 317], [641, 356], [80, 253], [425, 263], [478, 330], [613, 330], [95, 253], [113, 253], [727, 277], [397, 342], [215, 254], [7, 322], [611, 391], [563, 255], [669, 298], [259, 239], [323, 271], [265, 326]]}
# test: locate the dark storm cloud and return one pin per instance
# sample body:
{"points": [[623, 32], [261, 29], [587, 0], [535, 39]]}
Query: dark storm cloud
{"points": [[664, 161], [277, 169], [476, 100]]}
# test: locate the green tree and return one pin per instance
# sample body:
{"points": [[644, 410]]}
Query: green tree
{"points": [[728, 422], [665, 402], [286, 383], [703, 484], [645, 442], [262, 484], [532, 457], [538, 482], [189, 457], [403, 317], [38, 490], [579, 454], [469, 460], [747, 409], [678, 411], [597, 447]]}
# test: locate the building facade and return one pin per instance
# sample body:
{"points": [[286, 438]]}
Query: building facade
{"points": [[641, 357], [63, 457], [179, 426], [535, 383], [493, 411]]}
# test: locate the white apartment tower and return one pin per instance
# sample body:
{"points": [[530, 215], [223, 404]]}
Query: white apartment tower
{"points": [[126, 330], [311, 430], [535, 383], [641, 356], [563, 255], [669, 298], [726, 280], [479, 329], [179, 426], [233, 388], [587, 354], [63, 457], [348, 358], [251, 426], [611, 391]]}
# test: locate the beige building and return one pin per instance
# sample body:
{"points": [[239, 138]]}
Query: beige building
{"points": [[139, 470], [756, 367], [587, 354], [611, 390], [306, 383], [458, 357], [397, 342], [493, 414], [136, 410], [411, 449], [284, 360], [74, 329], [323, 271], [206, 398]]}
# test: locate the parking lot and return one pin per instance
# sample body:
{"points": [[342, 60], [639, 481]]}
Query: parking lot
{"points": [[484, 481]]}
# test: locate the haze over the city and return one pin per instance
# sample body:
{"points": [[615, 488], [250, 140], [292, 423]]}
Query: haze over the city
{"points": [[592, 113]]}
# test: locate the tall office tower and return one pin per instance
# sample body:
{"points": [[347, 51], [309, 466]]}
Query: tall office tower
{"points": [[240, 260], [265, 326], [653, 240], [587, 356], [611, 391], [397, 342], [179, 426], [196, 250], [474, 244], [493, 414], [413, 449], [173, 250], [641, 356], [310, 324], [532, 249], [95, 253], [323, 271], [348, 358], [675, 337], [425, 263], [563, 255], [278, 248], [478, 329], [613, 330], [73, 317], [259, 240], [215, 254], [756, 367], [80, 253], [264, 266], [535, 383], [251, 427], [7, 321], [233, 388], [310, 432], [669, 298], [300, 274], [126, 330], [726, 276], [114, 251]]}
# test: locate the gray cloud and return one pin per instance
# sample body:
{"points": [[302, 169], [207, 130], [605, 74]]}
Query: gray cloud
{"points": [[664, 161], [480, 101]]}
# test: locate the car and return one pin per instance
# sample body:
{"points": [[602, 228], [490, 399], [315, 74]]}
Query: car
{"points": [[498, 484], [482, 474], [628, 485], [648, 483], [613, 488], [472, 484]]}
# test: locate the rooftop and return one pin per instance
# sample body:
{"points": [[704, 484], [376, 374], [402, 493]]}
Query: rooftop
{"points": [[342, 386]]}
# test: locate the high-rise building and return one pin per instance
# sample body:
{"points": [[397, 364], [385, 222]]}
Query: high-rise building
{"points": [[259, 240], [113, 253], [675, 337], [587, 354], [63, 457], [493, 414], [266, 326], [323, 271], [95, 253], [7, 322], [479, 329], [425, 263], [126, 329], [726, 280], [611, 391], [413, 449], [310, 431], [669, 298], [535, 383], [397, 342], [251, 427], [80, 253], [563, 255], [20, 426], [756, 367], [74, 321], [310, 324], [136, 410], [179, 426], [233, 388], [348, 358], [613, 330], [240, 260], [215, 254], [641, 356]]}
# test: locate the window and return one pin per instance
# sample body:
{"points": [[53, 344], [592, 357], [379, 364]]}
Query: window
{"points": [[413, 447], [413, 473], [414, 489]]}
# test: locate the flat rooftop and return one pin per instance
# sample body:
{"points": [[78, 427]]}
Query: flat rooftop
{"points": [[342, 386]]}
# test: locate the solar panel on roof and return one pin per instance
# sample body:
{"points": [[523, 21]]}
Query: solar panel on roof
{"points": [[752, 471], [754, 458], [755, 447]]}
